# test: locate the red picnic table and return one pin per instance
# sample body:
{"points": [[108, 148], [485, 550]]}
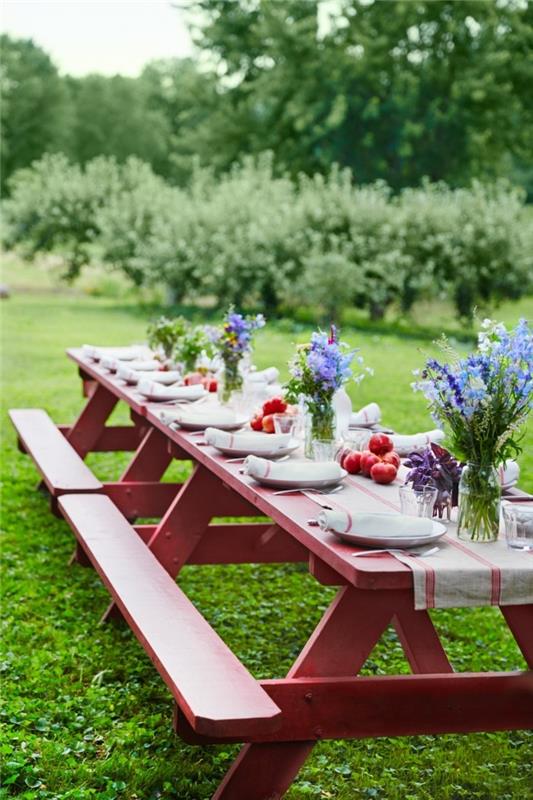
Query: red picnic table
{"points": [[216, 698]]}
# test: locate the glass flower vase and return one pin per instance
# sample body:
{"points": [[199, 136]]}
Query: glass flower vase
{"points": [[320, 423], [230, 383], [479, 503]]}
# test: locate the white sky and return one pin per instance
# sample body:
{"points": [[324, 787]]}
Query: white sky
{"points": [[116, 36]]}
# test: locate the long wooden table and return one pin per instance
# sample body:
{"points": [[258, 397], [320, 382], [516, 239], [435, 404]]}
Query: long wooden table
{"points": [[321, 697]]}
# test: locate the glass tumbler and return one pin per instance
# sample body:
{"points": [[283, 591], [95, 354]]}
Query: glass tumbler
{"points": [[518, 522], [417, 502]]}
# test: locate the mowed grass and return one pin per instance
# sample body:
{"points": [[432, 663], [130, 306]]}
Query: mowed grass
{"points": [[85, 715]]}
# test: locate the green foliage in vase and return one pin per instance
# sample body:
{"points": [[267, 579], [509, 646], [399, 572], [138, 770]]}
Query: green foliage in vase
{"points": [[165, 334]]}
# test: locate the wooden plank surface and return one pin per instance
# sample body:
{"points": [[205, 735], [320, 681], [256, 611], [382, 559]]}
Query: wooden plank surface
{"points": [[60, 466], [216, 693]]}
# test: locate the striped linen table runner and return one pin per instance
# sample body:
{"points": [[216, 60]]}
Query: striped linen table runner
{"points": [[461, 573]]}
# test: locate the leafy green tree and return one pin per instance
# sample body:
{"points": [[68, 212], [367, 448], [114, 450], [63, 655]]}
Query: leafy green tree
{"points": [[187, 98], [112, 116], [394, 90], [36, 116]]}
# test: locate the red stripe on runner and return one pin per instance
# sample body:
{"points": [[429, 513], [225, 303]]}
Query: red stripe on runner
{"points": [[495, 571], [372, 494]]}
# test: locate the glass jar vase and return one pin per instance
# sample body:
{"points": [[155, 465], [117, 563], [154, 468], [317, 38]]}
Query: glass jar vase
{"points": [[479, 503], [320, 424], [230, 383]]}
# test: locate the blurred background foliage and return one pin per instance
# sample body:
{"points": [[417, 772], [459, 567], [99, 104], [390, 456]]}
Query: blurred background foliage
{"points": [[393, 90], [320, 153]]}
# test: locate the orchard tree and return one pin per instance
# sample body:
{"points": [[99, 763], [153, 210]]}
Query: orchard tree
{"points": [[36, 117]]}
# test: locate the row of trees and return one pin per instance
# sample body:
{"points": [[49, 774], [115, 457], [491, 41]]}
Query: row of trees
{"points": [[394, 91], [253, 237]]}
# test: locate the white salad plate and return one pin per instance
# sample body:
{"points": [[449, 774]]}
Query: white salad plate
{"points": [[298, 483], [393, 541], [276, 452]]}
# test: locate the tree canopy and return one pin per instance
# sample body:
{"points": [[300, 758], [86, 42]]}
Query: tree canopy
{"points": [[392, 90]]}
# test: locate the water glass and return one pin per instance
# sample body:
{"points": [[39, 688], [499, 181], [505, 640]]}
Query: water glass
{"points": [[417, 502], [325, 449], [285, 423], [518, 522]]}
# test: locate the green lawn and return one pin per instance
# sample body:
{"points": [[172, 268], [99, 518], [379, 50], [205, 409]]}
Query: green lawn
{"points": [[85, 715]]}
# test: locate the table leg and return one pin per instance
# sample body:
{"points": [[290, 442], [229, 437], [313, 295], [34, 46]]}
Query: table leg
{"points": [[88, 427], [339, 646], [151, 458], [520, 621], [419, 639]]}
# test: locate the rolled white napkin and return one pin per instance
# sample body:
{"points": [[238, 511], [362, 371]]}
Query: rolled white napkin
{"points": [[106, 362], [131, 376], [273, 390], [405, 444], [150, 388], [509, 472], [368, 415], [268, 375], [130, 353], [145, 365], [295, 471], [374, 524], [255, 442]]}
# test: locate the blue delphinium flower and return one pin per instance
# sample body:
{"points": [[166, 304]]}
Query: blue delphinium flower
{"points": [[320, 367], [484, 398]]}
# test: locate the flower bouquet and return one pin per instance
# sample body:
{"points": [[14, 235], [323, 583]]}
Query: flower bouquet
{"points": [[163, 334], [194, 343], [317, 370], [483, 400], [233, 343]]}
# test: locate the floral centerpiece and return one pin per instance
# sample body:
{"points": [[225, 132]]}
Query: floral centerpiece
{"points": [[319, 368], [483, 400], [435, 467], [195, 342], [163, 334], [233, 343]]}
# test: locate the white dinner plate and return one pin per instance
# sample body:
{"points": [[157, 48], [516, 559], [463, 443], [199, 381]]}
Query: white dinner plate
{"points": [[167, 378], [290, 447], [156, 398], [393, 541], [195, 423], [295, 483]]}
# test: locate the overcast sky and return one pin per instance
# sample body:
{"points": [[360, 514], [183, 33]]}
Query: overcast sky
{"points": [[108, 36]]}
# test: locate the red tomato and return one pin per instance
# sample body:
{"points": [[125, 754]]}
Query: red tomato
{"points": [[268, 423], [383, 472], [352, 462], [256, 423], [380, 444], [368, 460], [392, 458], [276, 405]]}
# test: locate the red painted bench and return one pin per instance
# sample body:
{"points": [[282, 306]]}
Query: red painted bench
{"points": [[214, 691], [61, 468]]}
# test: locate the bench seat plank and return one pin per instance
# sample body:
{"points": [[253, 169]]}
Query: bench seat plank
{"points": [[214, 690], [60, 466]]}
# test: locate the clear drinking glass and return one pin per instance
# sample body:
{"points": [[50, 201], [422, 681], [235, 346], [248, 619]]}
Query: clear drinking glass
{"points": [[417, 502], [285, 423], [325, 449], [518, 521]]}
